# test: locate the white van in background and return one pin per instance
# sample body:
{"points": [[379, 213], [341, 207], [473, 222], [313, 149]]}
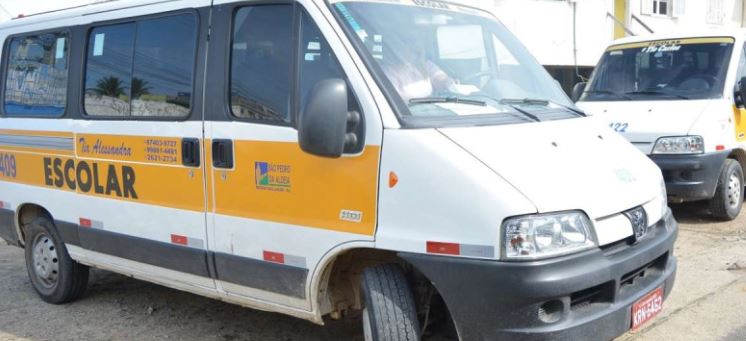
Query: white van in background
{"points": [[408, 162], [678, 98]]}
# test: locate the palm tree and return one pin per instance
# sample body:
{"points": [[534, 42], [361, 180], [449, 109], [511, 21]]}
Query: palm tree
{"points": [[109, 86], [140, 87]]}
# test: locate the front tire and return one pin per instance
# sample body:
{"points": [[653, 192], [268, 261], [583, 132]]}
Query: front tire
{"points": [[55, 276], [728, 199], [390, 313]]}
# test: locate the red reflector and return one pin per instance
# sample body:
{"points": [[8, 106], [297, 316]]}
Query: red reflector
{"points": [[2, 204], [177, 239], [720, 147], [274, 257], [443, 248], [85, 222]]}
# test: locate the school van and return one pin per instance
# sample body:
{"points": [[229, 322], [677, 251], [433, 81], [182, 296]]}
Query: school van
{"points": [[405, 163], [679, 99]]}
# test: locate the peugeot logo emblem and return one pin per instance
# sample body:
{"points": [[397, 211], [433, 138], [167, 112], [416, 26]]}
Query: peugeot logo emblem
{"points": [[639, 220]]}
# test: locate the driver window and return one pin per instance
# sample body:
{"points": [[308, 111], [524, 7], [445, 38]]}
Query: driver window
{"points": [[740, 74]]}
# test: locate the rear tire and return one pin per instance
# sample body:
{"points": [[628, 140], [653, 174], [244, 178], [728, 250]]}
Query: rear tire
{"points": [[390, 313], [728, 199], [55, 276]]}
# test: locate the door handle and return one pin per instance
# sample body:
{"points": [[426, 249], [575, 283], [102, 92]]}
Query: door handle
{"points": [[222, 153], [190, 152]]}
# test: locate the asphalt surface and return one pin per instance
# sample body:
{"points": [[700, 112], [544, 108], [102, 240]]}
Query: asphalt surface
{"points": [[707, 302]]}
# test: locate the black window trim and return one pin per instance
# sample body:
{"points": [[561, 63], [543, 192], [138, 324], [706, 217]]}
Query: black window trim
{"points": [[6, 63], [228, 111], [195, 72]]}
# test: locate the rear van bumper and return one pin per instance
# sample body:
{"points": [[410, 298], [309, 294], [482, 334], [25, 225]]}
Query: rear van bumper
{"points": [[690, 177], [586, 296]]}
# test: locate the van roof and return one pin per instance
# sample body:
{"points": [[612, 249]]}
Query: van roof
{"points": [[701, 33], [77, 11]]}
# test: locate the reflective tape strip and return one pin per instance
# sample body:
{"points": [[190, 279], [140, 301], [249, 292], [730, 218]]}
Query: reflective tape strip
{"points": [[455, 249], [281, 258], [47, 142], [187, 241], [90, 223]]}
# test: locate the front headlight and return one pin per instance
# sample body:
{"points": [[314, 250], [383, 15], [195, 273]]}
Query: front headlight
{"points": [[679, 145], [546, 235]]}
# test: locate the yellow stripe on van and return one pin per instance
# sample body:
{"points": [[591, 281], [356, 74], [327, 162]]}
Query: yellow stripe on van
{"points": [[277, 181], [270, 181], [684, 41]]}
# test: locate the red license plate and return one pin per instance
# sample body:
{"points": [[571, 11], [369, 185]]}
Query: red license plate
{"points": [[646, 308]]}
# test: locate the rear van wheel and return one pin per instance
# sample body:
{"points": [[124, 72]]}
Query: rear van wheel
{"points": [[54, 275], [390, 313], [728, 199]]}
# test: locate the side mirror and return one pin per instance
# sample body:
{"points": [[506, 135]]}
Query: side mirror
{"points": [[326, 127], [577, 91], [741, 92]]}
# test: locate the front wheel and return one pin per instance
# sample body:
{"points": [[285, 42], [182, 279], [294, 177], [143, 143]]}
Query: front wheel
{"points": [[390, 313], [728, 199], [55, 276]]}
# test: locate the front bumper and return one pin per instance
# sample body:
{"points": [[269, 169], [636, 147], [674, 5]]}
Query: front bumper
{"points": [[690, 177], [493, 300]]}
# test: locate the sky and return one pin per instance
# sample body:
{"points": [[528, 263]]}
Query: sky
{"points": [[12, 8]]}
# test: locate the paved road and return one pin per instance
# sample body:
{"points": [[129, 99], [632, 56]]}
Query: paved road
{"points": [[708, 302]]}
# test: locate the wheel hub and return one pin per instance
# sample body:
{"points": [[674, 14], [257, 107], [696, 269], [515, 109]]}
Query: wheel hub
{"points": [[46, 263], [734, 190]]}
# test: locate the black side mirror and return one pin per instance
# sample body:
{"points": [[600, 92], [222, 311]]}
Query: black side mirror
{"points": [[741, 92], [327, 127], [578, 90]]}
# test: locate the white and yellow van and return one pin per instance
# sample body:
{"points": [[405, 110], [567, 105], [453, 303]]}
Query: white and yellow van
{"points": [[678, 99], [408, 160]]}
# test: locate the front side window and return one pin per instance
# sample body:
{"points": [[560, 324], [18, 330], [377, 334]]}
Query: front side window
{"points": [[262, 63], [662, 70], [451, 64], [143, 68], [36, 80]]}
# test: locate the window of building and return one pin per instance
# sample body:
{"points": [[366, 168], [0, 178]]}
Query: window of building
{"points": [[262, 63], [36, 80], [662, 7], [141, 69]]}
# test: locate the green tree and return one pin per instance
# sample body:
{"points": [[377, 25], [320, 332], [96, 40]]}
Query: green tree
{"points": [[109, 86], [140, 87]]}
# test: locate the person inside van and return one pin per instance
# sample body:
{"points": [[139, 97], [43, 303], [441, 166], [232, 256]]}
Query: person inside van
{"points": [[409, 70]]}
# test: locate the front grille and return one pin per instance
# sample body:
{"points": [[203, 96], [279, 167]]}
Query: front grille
{"points": [[602, 293], [630, 277]]}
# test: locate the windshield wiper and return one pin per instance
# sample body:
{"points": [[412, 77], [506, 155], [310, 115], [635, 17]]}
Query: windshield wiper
{"points": [[655, 93], [542, 102], [426, 100], [518, 109], [609, 92]]}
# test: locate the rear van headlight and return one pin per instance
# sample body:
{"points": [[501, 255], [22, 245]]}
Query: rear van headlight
{"points": [[546, 235]]}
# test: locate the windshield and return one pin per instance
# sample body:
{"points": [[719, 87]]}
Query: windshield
{"points": [[452, 64], [662, 70]]}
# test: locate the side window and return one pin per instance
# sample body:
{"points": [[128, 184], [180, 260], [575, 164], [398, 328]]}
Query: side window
{"points": [[741, 73], [262, 63], [141, 69], [36, 80], [317, 61]]}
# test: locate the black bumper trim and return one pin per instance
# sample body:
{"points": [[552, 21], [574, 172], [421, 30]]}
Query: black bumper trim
{"points": [[8, 226], [691, 177], [493, 300]]}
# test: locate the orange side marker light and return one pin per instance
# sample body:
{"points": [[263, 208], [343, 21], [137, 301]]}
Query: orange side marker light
{"points": [[393, 179]]}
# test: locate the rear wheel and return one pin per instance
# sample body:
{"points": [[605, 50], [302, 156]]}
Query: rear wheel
{"points": [[54, 275], [728, 199], [390, 313]]}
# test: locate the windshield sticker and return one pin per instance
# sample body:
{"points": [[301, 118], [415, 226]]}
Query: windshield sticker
{"points": [[60, 52], [351, 20], [434, 4], [671, 45]]}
